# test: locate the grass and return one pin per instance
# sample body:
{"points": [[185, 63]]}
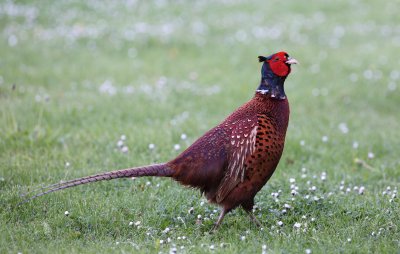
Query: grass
{"points": [[76, 75]]}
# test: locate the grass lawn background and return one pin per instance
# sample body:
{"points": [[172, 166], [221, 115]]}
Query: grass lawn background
{"points": [[77, 75]]}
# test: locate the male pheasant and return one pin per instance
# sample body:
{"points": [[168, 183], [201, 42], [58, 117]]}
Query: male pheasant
{"points": [[233, 161]]}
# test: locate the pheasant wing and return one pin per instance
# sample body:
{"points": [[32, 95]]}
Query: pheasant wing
{"points": [[243, 143]]}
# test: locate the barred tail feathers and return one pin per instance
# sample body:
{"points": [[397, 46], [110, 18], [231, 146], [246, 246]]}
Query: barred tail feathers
{"points": [[161, 170]]}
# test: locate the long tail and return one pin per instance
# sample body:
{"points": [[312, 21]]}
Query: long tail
{"points": [[151, 170]]}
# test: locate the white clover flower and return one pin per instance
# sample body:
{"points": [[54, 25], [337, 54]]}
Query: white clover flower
{"points": [[264, 249], [173, 250], [323, 176], [124, 149], [120, 143], [275, 194], [343, 128], [287, 206]]}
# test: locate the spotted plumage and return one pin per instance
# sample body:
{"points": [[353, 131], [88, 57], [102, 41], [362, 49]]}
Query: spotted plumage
{"points": [[233, 161]]}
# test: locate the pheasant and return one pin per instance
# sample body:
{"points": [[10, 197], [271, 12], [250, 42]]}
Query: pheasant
{"points": [[233, 161]]}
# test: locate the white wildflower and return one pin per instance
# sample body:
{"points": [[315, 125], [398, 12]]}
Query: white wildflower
{"points": [[361, 190], [124, 149], [343, 128], [120, 143]]}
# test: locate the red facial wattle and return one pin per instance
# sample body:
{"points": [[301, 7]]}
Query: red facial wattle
{"points": [[280, 68], [278, 64]]}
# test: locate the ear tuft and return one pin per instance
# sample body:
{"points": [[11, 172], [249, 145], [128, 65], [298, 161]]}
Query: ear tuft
{"points": [[262, 59]]}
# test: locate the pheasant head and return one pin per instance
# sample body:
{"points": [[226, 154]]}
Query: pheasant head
{"points": [[274, 71]]}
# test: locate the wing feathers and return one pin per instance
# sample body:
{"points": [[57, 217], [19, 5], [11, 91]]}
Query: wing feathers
{"points": [[243, 145]]}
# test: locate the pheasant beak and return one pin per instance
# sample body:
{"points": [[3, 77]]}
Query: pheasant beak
{"points": [[291, 61]]}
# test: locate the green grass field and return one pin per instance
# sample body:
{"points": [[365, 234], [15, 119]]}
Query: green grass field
{"points": [[77, 75]]}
